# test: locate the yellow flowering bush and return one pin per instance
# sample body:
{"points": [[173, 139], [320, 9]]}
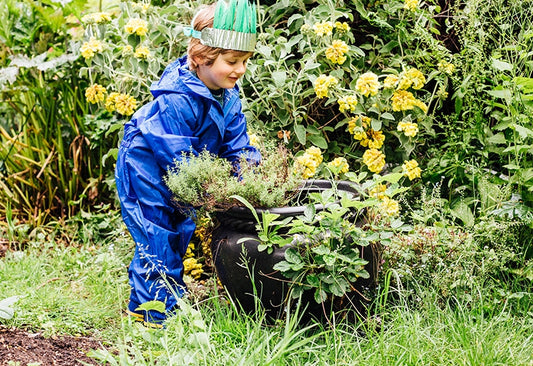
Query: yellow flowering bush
{"points": [[374, 160], [309, 162], [323, 84], [337, 51], [323, 29], [411, 169], [142, 52], [408, 128], [410, 5], [136, 26], [122, 103], [368, 84], [95, 93], [339, 165], [90, 48]]}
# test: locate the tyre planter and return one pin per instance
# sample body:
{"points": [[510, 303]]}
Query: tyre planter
{"points": [[248, 275]]}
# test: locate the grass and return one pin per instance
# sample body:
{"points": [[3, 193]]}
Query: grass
{"points": [[80, 288]]}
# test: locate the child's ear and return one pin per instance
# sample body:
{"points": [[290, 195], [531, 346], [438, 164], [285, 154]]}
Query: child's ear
{"points": [[198, 60]]}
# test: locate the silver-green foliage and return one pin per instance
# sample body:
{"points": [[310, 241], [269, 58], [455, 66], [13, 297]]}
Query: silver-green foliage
{"points": [[209, 181]]}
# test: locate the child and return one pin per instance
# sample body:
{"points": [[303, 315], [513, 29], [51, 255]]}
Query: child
{"points": [[196, 106]]}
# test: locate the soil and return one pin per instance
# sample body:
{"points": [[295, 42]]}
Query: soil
{"points": [[21, 348]]}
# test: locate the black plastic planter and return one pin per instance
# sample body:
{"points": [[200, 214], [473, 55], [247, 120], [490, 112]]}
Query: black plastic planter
{"points": [[248, 274]]}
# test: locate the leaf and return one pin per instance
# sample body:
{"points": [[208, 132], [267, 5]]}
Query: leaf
{"points": [[463, 212], [292, 256], [282, 266], [501, 93], [522, 131], [313, 280], [152, 305], [388, 116], [501, 65], [320, 296], [319, 141], [6, 307], [279, 78], [300, 132]]}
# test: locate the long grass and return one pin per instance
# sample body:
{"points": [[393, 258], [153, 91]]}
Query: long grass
{"points": [[80, 288]]}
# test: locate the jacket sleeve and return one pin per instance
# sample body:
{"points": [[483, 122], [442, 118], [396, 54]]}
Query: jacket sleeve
{"points": [[167, 130], [236, 141]]}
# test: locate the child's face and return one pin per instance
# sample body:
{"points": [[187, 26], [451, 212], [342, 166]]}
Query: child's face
{"points": [[225, 71]]}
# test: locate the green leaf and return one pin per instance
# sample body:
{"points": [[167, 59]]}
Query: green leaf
{"points": [[313, 280], [282, 266], [279, 78], [319, 141], [152, 305], [501, 65], [463, 213], [388, 116], [6, 307], [292, 256], [320, 296], [501, 93], [300, 132]]}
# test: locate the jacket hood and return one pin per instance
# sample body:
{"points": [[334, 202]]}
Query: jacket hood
{"points": [[177, 78]]}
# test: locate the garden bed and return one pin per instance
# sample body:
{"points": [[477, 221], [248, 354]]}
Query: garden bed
{"points": [[18, 347]]}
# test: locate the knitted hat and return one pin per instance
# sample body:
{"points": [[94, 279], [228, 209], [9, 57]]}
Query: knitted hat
{"points": [[234, 27]]}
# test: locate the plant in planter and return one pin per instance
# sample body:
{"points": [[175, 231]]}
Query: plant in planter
{"points": [[280, 236]]}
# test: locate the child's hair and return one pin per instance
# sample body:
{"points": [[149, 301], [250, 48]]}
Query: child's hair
{"points": [[204, 19]]}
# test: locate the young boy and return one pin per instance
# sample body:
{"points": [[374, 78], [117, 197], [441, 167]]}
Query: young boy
{"points": [[196, 106]]}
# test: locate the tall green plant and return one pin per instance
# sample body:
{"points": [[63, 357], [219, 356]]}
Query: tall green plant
{"points": [[48, 166]]}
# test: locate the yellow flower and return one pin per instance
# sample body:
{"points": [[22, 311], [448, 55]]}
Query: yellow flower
{"points": [[412, 77], [375, 139], [110, 101], [421, 105], [305, 28], [192, 267], [136, 26], [125, 104], [95, 93], [336, 52], [417, 78], [410, 5], [391, 81], [339, 165], [411, 169], [374, 160], [96, 18], [446, 67], [342, 27], [323, 29], [254, 140], [402, 100], [315, 153], [323, 83], [378, 191], [127, 50], [309, 162], [367, 84], [89, 49], [140, 7], [142, 52], [389, 207], [409, 128], [348, 102]]}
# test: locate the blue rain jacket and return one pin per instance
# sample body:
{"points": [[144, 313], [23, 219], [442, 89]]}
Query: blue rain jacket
{"points": [[183, 117]]}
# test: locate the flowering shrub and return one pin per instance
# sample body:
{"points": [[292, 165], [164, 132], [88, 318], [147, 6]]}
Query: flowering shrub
{"points": [[125, 49], [355, 96]]}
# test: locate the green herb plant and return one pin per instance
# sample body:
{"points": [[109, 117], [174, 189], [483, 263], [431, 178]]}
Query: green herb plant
{"points": [[207, 182], [324, 254]]}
